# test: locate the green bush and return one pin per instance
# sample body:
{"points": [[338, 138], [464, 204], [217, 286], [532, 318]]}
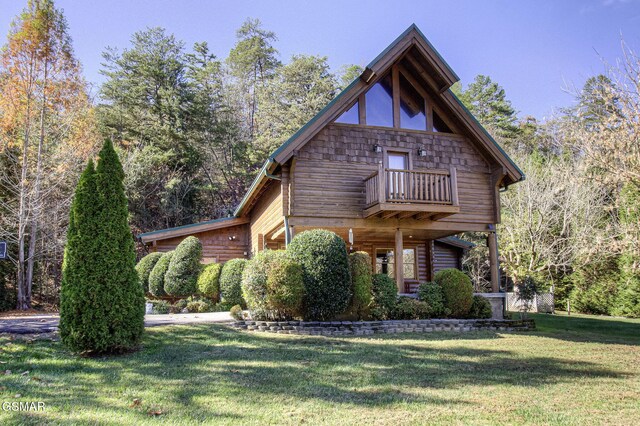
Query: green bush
{"points": [[480, 308], [102, 303], [198, 305], [361, 282], [160, 307], [457, 291], [159, 271], [272, 285], [431, 293], [384, 294], [327, 279], [236, 312], [231, 282], [209, 281], [628, 297], [178, 306], [285, 286], [144, 268], [182, 276], [408, 308]]}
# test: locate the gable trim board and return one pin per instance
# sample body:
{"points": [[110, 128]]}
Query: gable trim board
{"points": [[412, 37]]}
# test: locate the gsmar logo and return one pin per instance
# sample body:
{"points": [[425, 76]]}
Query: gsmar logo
{"points": [[23, 406]]}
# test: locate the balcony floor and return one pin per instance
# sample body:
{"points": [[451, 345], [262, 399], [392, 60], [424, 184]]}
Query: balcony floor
{"points": [[410, 210]]}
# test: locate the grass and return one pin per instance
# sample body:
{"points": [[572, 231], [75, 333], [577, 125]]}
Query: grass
{"points": [[572, 370]]}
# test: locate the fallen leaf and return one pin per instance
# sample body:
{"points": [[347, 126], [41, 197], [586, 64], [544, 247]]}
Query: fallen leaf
{"points": [[17, 395], [36, 378], [155, 412], [3, 388], [136, 403], [24, 373]]}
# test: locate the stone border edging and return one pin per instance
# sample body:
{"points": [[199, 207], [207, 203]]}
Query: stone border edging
{"points": [[365, 328]]}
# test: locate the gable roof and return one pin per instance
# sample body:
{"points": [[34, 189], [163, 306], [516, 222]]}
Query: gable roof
{"points": [[443, 78]]}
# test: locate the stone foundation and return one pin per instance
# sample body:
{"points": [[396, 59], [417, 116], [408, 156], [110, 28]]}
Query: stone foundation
{"points": [[365, 328]]}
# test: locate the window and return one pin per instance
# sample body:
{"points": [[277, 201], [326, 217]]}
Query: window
{"points": [[412, 110], [350, 116], [439, 125], [385, 263], [379, 103]]}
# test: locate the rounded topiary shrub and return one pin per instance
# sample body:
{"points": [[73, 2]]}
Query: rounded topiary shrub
{"points": [[361, 282], [384, 294], [285, 286], [144, 268], [231, 282], [209, 281], [236, 312], [457, 291], [182, 276], [272, 285], [327, 279], [408, 308], [431, 293], [156, 277], [480, 308], [254, 285]]}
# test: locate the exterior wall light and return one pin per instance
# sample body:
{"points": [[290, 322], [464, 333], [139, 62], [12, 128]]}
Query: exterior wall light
{"points": [[377, 148], [232, 238], [422, 152]]}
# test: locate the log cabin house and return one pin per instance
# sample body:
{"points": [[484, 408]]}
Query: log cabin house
{"points": [[395, 164]]}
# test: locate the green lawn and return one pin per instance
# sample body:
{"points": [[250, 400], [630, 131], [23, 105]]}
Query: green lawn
{"points": [[572, 370]]}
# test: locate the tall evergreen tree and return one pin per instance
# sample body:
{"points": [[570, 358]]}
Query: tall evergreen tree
{"points": [[488, 102], [102, 303]]}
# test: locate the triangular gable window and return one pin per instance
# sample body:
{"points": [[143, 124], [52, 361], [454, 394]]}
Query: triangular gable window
{"points": [[350, 116], [377, 105]]}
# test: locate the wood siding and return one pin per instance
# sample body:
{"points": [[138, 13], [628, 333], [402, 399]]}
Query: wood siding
{"points": [[266, 215], [216, 245], [445, 256], [331, 169]]}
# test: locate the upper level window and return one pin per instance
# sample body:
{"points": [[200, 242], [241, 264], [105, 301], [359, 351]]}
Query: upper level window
{"points": [[379, 102], [350, 116], [377, 106], [412, 107]]}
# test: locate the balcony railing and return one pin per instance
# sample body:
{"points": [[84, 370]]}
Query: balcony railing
{"points": [[411, 187]]}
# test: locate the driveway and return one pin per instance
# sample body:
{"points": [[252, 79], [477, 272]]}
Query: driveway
{"points": [[49, 322]]}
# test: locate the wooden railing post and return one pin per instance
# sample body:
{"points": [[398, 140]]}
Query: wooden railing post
{"points": [[382, 184], [454, 186]]}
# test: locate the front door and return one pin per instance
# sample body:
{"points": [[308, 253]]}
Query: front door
{"points": [[397, 161]]}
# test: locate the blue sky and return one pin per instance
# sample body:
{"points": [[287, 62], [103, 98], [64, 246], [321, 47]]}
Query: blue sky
{"points": [[534, 49]]}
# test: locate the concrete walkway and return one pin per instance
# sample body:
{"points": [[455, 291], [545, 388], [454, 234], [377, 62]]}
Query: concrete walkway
{"points": [[49, 322]]}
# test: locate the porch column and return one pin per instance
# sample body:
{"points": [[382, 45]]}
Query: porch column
{"points": [[492, 241], [399, 268]]}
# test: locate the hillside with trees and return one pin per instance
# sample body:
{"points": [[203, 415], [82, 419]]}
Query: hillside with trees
{"points": [[192, 129]]}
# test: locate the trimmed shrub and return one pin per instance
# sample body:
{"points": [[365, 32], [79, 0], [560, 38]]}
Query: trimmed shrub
{"points": [[285, 286], [384, 294], [272, 285], [197, 305], [231, 282], [209, 281], [182, 276], [159, 271], [104, 306], [408, 308], [361, 282], [480, 308], [431, 293], [457, 291], [236, 312], [144, 268], [327, 279], [160, 307], [179, 306]]}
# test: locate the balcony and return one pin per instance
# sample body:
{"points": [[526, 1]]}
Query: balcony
{"points": [[419, 194]]}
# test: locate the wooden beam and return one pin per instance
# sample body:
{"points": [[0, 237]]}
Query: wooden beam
{"points": [[399, 267], [492, 241], [339, 222], [395, 81], [496, 179], [429, 256], [278, 233]]}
